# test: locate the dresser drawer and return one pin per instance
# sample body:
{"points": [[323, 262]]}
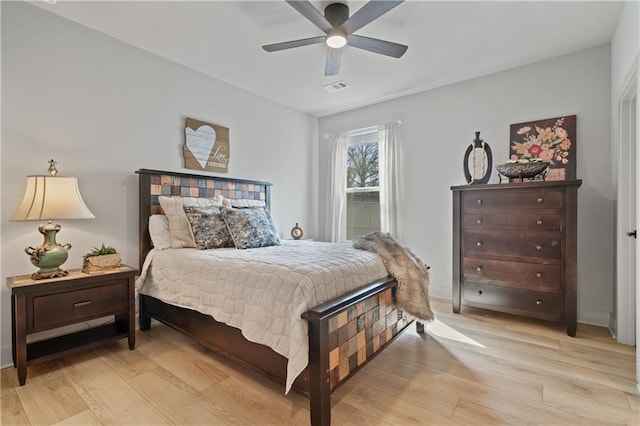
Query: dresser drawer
{"points": [[512, 244], [521, 302], [521, 200], [65, 308], [537, 277], [524, 222]]}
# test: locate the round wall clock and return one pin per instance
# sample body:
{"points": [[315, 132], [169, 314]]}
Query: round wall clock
{"points": [[297, 232]]}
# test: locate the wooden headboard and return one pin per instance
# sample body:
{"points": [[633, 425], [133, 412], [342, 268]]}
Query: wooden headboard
{"points": [[153, 183]]}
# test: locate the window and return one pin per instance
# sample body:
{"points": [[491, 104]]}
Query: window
{"points": [[363, 183]]}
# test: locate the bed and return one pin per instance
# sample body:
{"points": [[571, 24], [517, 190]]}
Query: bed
{"points": [[344, 332]]}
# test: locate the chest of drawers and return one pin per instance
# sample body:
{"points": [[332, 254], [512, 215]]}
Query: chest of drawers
{"points": [[515, 249]]}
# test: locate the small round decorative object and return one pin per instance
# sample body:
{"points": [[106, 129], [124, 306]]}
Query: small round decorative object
{"points": [[297, 232]]}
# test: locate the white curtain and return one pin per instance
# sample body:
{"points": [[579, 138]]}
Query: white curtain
{"points": [[390, 185], [336, 214]]}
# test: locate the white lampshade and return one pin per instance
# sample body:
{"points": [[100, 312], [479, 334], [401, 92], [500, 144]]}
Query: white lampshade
{"points": [[52, 197]]}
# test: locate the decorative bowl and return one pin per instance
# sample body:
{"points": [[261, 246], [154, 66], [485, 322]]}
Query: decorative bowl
{"points": [[522, 170]]}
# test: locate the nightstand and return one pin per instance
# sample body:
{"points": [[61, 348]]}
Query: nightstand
{"points": [[39, 305]]}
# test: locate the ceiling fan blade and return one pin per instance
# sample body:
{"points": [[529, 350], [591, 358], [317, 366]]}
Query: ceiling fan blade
{"points": [[311, 13], [332, 66], [294, 43], [376, 45], [368, 13]]}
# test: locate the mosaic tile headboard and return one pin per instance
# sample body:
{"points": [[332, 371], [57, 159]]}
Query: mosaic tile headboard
{"points": [[153, 183]]}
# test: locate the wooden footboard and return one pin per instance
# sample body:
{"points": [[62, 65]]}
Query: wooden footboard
{"points": [[344, 334]]}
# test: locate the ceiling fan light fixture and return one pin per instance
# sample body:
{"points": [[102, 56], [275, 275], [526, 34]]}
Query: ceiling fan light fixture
{"points": [[336, 40]]}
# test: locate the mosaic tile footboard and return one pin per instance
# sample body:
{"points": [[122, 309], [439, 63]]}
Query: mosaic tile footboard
{"points": [[357, 334]]}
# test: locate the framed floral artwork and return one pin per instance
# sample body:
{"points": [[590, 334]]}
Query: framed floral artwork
{"points": [[552, 140]]}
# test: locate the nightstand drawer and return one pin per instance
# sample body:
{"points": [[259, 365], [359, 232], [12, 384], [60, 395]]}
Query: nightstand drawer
{"points": [[65, 308]]}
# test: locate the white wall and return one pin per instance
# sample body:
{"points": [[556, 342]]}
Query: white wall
{"points": [[439, 124], [104, 109], [625, 46]]}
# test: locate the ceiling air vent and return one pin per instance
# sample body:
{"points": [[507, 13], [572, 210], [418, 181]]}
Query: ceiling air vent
{"points": [[334, 87]]}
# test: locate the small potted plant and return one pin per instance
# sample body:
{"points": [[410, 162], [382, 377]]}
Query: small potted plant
{"points": [[98, 259]]}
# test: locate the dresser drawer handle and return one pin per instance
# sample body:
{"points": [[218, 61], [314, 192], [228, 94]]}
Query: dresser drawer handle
{"points": [[539, 222], [538, 274], [81, 304], [479, 221], [479, 243], [539, 247], [479, 201], [538, 302], [539, 200], [479, 268]]}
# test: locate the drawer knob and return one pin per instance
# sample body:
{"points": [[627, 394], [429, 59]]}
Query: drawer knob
{"points": [[539, 200], [479, 201], [538, 302], [479, 292], [539, 222], [479, 221], [479, 243], [479, 268], [539, 247], [538, 274], [81, 304]]}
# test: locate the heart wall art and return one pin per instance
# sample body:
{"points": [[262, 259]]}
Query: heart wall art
{"points": [[206, 146]]}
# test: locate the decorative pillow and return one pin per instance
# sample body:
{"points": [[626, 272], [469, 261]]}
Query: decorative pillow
{"points": [[159, 231], [242, 203], [209, 229], [251, 228], [181, 235]]}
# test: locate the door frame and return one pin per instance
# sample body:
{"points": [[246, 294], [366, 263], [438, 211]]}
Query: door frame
{"points": [[627, 212]]}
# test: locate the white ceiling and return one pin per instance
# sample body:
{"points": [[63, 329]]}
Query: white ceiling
{"points": [[448, 41]]}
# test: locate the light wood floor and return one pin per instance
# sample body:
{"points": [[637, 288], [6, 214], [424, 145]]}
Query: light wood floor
{"points": [[475, 368]]}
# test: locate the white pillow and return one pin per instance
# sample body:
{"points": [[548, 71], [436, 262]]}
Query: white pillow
{"points": [[242, 203], [181, 235], [159, 231]]}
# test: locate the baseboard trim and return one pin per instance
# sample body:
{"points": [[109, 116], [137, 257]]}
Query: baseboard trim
{"points": [[6, 358]]}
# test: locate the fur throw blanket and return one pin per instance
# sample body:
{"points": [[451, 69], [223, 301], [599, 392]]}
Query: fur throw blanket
{"points": [[412, 293]]}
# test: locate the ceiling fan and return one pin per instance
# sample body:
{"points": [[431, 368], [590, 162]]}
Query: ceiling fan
{"points": [[339, 28]]}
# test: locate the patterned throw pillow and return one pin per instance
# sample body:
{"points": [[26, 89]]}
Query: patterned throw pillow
{"points": [[181, 235], [251, 228], [208, 227]]}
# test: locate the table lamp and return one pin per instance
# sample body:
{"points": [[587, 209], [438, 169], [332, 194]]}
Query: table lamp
{"points": [[50, 197]]}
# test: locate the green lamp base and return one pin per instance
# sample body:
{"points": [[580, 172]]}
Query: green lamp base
{"points": [[50, 255]]}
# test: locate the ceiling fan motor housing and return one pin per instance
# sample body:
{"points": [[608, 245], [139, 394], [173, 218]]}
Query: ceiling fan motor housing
{"points": [[337, 14]]}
